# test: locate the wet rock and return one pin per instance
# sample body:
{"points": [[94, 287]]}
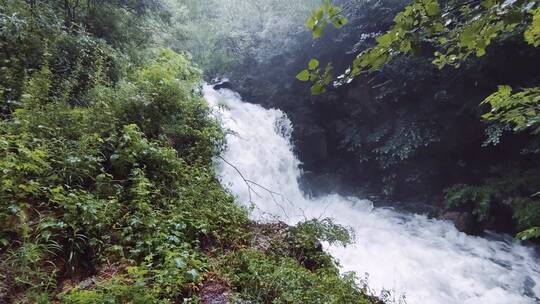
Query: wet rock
{"points": [[462, 220], [501, 219], [215, 290], [89, 280], [86, 284], [313, 146], [223, 85], [319, 184], [266, 234]]}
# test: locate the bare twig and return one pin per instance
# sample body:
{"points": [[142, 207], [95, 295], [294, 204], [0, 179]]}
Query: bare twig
{"points": [[273, 197], [243, 178], [249, 184]]}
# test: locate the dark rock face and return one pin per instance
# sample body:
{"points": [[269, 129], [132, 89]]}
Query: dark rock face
{"points": [[313, 145], [265, 234], [359, 92], [320, 184], [501, 219], [224, 85], [463, 221]]}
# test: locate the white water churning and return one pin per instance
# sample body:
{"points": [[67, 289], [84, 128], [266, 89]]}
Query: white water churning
{"points": [[426, 260]]}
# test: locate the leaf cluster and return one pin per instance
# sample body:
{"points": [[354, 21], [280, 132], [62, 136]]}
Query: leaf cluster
{"points": [[515, 190]]}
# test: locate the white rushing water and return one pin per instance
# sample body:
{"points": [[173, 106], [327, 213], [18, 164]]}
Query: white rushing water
{"points": [[426, 260]]}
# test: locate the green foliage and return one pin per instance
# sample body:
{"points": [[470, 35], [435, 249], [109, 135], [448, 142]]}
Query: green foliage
{"points": [[106, 156], [480, 197], [529, 233], [303, 76], [323, 16], [520, 110], [403, 143], [303, 242], [33, 38], [265, 279], [320, 78], [514, 189], [457, 31], [161, 102], [312, 231], [225, 35], [115, 290], [532, 34], [133, 169], [526, 212], [320, 18], [454, 33]]}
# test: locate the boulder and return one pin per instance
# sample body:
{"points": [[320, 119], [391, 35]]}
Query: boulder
{"points": [[463, 221], [223, 85], [215, 290]]}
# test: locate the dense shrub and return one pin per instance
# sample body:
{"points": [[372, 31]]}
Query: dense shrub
{"points": [[129, 174], [513, 192], [274, 279]]}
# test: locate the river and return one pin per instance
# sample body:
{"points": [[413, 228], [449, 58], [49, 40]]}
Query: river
{"points": [[417, 259]]}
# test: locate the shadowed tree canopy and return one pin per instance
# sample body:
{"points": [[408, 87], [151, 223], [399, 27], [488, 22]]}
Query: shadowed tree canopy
{"points": [[450, 33]]}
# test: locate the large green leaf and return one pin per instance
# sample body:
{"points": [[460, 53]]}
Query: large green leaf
{"points": [[313, 64], [340, 22], [432, 8], [317, 89], [303, 76]]}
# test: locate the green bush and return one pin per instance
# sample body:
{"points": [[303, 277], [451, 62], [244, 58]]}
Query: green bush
{"points": [[116, 290], [514, 190], [132, 169], [303, 242], [273, 279]]}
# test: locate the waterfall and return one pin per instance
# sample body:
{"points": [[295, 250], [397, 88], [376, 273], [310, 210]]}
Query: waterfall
{"points": [[423, 260]]}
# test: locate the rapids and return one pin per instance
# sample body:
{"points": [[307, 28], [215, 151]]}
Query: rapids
{"points": [[420, 260]]}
